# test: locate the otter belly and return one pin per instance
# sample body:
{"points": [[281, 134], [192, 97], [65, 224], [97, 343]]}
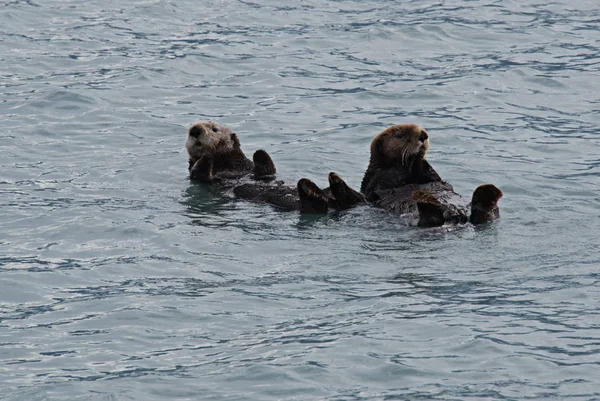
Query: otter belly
{"points": [[440, 205], [279, 195]]}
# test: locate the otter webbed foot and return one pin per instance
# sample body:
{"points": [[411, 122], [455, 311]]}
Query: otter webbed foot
{"points": [[263, 165], [484, 204], [344, 196], [202, 170], [312, 198]]}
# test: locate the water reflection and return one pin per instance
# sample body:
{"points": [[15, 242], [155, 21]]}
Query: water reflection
{"points": [[205, 200]]}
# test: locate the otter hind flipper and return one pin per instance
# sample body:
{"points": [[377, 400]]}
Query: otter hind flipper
{"points": [[312, 198], [345, 197], [484, 204], [202, 170], [263, 164], [431, 211]]}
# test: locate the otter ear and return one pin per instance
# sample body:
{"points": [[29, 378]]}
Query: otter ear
{"points": [[235, 140], [377, 149]]}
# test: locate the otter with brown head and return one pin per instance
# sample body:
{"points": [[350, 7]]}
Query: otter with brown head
{"points": [[398, 159], [215, 151], [397, 145], [400, 180]]}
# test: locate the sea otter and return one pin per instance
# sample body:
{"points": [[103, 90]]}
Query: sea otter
{"points": [[215, 156], [399, 179], [227, 160], [306, 196]]}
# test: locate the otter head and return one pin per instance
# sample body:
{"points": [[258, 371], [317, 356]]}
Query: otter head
{"points": [[398, 144], [210, 138]]}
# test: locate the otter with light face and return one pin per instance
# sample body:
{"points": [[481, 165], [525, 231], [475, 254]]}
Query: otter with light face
{"points": [[209, 143], [215, 156], [400, 180]]}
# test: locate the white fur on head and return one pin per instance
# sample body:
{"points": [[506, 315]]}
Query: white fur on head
{"points": [[212, 139]]}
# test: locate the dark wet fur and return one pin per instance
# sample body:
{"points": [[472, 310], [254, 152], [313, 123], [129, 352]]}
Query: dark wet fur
{"points": [[305, 197], [263, 165], [484, 204], [444, 202], [381, 177], [420, 191], [260, 186], [342, 196], [230, 163]]}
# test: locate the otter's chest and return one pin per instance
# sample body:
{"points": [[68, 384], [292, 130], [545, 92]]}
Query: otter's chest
{"points": [[400, 200]]}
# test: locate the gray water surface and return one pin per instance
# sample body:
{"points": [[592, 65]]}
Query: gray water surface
{"points": [[120, 280]]}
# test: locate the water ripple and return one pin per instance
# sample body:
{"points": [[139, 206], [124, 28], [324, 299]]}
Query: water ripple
{"points": [[114, 267]]}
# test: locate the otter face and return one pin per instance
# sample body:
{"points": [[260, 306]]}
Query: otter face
{"points": [[399, 143], [209, 138]]}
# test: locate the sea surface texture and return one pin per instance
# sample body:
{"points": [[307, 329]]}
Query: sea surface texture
{"points": [[121, 280]]}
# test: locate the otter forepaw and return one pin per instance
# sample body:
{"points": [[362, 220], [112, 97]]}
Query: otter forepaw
{"points": [[431, 211], [202, 170]]}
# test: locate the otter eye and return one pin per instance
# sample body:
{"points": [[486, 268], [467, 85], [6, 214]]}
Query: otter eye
{"points": [[214, 129]]}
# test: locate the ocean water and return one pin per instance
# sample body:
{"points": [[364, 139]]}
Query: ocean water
{"points": [[120, 280]]}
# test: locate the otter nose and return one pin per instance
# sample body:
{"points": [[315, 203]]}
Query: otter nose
{"points": [[196, 131], [423, 137]]}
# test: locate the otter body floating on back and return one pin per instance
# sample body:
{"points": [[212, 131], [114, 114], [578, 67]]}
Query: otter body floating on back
{"points": [[215, 156], [400, 180], [306, 196], [211, 143]]}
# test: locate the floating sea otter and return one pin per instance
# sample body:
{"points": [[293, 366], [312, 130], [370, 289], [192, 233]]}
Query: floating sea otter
{"points": [[215, 156], [400, 180], [212, 145]]}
